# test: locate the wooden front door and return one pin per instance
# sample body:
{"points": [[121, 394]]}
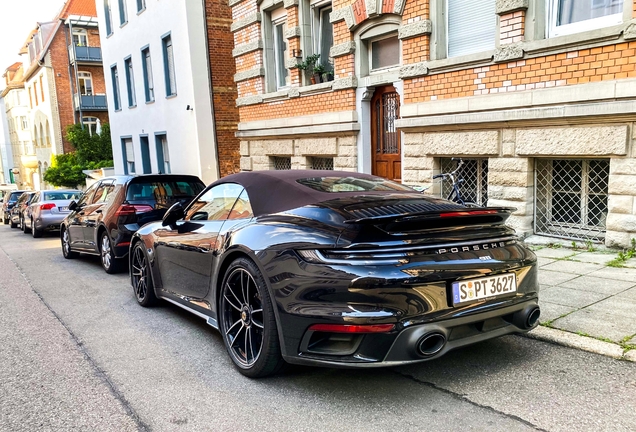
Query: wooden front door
{"points": [[385, 138]]}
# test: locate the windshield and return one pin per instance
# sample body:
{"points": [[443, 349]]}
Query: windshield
{"points": [[352, 184]]}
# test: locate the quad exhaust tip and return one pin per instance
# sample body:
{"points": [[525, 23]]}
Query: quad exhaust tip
{"points": [[431, 344]]}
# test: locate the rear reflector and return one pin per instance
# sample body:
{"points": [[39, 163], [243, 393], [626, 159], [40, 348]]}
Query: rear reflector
{"points": [[468, 213], [346, 328], [128, 209], [47, 206]]}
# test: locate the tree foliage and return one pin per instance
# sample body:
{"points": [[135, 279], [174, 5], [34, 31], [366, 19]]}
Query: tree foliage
{"points": [[91, 152]]}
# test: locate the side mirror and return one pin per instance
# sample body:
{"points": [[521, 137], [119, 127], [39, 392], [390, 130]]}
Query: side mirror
{"points": [[72, 205], [173, 214]]}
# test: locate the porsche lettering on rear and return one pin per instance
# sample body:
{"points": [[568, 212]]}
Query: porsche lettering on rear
{"points": [[484, 246]]}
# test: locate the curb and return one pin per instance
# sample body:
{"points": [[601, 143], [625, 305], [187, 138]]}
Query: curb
{"points": [[583, 343]]}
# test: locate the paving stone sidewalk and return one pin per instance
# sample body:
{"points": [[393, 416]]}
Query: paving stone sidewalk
{"points": [[582, 295]]}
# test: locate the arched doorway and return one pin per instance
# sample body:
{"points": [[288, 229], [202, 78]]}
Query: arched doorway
{"points": [[385, 138]]}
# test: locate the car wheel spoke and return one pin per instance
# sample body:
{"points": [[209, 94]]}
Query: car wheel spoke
{"points": [[229, 288], [249, 337], [232, 304], [234, 325]]}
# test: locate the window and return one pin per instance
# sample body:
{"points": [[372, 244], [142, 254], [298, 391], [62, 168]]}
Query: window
{"points": [[86, 196], [168, 66], [351, 184], [571, 198], [115, 79], [163, 155], [24, 123], [279, 48], [318, 163], [91, 124], [281, 163], [48, 133], [322, 32], [102, 193], [128, 155], [80, 37], [147, 70], [474, 172], [35, 93], [85, 83], [108, 18], [472, 26], [145, 154], [130, 82], [384, 53], [573, 16], [42, 88], [123, 16], [216, 203], [30, 98], [141, 5]]}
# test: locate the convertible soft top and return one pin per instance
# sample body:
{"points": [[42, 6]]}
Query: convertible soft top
{"points": [[277, 191]]}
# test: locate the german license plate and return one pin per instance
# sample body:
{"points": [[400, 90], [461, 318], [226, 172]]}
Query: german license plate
{"points": [[63, 208], [471, 290]]}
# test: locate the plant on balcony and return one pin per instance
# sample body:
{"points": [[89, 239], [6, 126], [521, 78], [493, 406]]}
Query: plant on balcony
{"points": [[91, 152]]}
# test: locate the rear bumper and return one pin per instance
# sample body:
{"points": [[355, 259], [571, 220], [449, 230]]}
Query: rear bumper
{"points": [[456, 332], [49, 222]]}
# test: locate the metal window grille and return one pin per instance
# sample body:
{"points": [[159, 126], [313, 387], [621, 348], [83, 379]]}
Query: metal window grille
{"points": [[281, 163], [318, 163], [571, 198], [474, 172]]}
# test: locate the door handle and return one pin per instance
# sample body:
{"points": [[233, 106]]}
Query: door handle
{"points": [[204, 247]]}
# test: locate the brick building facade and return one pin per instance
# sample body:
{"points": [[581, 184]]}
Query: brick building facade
{"points": [[537, 96]]}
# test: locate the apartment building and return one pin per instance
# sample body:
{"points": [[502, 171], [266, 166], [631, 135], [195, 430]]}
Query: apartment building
{"points": [[537, 96], [15, 112], [170, 70], [63, 82]]}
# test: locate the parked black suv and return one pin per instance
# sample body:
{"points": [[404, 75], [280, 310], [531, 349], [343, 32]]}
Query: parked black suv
{"points": [[105, 217], [10, 198]]}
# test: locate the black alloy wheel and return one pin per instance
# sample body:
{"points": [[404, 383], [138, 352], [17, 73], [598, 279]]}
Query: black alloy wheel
{"points": [[36, 233], [140, 277], [110, 264], [66, 245], [247, 321]]}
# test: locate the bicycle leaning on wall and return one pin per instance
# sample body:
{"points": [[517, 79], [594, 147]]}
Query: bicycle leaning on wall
{"points": [[455, 194]]}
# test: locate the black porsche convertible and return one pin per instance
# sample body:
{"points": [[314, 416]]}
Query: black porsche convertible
{"points": [[336, 269]]}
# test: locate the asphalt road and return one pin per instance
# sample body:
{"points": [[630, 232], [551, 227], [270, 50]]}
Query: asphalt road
{"points": [[78, 353]]}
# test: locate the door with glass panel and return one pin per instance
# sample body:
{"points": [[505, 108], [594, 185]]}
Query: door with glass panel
{"points": [[385, 138]]}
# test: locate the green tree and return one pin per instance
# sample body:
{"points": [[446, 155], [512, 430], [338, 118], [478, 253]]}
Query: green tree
{"points": [[91, 152]]}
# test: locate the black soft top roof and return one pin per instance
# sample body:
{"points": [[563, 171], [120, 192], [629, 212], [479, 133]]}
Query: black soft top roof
{"points": [[277, 191]]}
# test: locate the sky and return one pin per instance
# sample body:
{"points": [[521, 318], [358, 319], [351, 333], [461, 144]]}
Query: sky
{"points": [[18, 18]]}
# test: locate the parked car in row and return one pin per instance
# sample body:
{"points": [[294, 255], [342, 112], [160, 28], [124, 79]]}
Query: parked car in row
{"points": [[10, 198], [47, 210], [21, 204], [104, 218], [336, 269]]}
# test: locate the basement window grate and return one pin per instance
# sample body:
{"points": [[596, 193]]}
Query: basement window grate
{"points": [[319, 163], [281, 163], [474, 172]]}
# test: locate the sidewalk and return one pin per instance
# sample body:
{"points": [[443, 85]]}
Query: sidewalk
{"points": [[585, 303]]}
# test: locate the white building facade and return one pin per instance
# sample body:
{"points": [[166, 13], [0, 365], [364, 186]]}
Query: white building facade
{"points": [[156, 69]]}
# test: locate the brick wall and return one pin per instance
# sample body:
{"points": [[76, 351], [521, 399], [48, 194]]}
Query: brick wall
{"points": [[224, 91]]}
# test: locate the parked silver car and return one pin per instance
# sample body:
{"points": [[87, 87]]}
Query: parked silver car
{"points": [[47, 211]]}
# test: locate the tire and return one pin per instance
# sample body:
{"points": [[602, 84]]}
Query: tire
{"points": [[140, 277], [247, 321], [23, 226], [66, 245], [36, 233], [5, 220], [12, 224], [110, 264]]}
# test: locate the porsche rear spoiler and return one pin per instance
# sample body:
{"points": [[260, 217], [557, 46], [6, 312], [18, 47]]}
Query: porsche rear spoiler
{"points": [[466, 215]]}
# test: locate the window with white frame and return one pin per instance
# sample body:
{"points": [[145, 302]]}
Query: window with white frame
{"points": [[128, 155], [279, 42], [322, 32], [163, 155], [149, 86], [574, 16], [168, 66], [384, 52], [85, 83], [141, 5], [108, 17], [24, 123], [91, 124], [130, 82], [471, 26], [115, 79], [123, 14], [80, 37]]}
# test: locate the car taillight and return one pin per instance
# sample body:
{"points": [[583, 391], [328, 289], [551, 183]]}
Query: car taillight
{"points": [[131, 209], [47, 206], [348, 328]]}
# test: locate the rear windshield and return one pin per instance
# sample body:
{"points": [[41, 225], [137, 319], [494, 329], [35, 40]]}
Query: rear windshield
{"points": [[164, 191], [352, 184], [14, 196], [60, 196]]}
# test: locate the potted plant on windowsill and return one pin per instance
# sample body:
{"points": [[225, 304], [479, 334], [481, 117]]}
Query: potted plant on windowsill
{"points": [[327, 76], [308, 65], [319, 70]]}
